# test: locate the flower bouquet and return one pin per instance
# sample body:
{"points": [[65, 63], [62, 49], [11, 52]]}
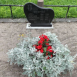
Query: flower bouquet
{"points": [[42, 56]]}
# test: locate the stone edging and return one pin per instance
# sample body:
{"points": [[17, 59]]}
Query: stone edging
{"points": [[21, 20]]}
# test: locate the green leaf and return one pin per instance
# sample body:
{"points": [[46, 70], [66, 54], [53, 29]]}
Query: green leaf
{"points": [[45, 48], [39, 73], [44, 68], [42, 75], [33, 74]]}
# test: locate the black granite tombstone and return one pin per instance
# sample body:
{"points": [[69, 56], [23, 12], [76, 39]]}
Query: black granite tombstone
{"points": [[38, 16]]}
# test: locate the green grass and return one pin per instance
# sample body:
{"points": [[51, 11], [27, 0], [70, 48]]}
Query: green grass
{"points": [[18, 12]]}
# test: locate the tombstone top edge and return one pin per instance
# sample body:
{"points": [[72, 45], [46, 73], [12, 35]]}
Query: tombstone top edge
{"points": [[37, 6]]}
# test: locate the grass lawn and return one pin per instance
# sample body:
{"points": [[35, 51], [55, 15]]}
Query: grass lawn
{"points": [[18, 12]]}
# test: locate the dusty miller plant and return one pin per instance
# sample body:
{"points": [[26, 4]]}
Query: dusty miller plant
{"points": [[34, 63]]}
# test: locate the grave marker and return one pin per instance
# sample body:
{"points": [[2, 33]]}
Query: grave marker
{"points": [[38, 16]]}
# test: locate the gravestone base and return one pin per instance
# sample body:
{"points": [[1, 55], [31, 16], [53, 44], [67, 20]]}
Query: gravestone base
{"points": [[43, 26]]}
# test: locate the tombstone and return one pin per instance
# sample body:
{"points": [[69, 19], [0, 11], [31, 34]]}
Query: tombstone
{"points": [[38, 16]]}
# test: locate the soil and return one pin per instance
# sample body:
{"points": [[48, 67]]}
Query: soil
{"points": [[12, 33]]}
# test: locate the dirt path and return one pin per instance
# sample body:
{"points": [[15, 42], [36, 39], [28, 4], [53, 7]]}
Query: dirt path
{"points": [[11, 33]]}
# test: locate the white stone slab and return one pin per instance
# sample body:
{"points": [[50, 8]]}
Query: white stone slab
{"points": [[29, 27]]}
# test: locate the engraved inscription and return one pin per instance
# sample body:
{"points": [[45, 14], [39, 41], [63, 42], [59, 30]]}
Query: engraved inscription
{"points": [[29, 7], [46, 16], [41, 16], [37, 15]]}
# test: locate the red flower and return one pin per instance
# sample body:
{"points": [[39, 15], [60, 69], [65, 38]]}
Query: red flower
{"points": [[40, 42], [51, 55], [41, 36], [48, 57], [47, 39], [44, 37], [37, 50], [39, 46], [50, 50], [47, 43], [41, 50], [41, 39], [35, 46], [44, 43], [46, 53]]}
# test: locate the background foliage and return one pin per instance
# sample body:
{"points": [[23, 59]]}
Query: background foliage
{"points": [[18, 12]]}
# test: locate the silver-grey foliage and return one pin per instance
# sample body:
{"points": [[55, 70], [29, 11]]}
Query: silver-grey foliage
{"points": [[35, 63]]}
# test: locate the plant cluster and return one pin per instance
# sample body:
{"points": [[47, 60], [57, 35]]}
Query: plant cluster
{"points": [[42, 55], [44, 47]]}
